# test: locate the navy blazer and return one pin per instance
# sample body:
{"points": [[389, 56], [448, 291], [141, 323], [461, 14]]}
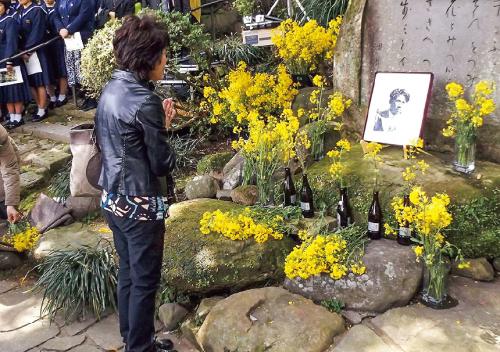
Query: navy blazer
{"points": [[33, 25], [76, 16], [8, 37]]}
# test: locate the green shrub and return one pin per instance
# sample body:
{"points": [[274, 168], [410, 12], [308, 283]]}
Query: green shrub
{"points": [[333, 305], [476, 226], [77, 282], [213, 162]]}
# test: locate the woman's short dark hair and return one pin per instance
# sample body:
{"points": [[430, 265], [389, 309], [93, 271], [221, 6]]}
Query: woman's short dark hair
{"points": [[138, 44]]}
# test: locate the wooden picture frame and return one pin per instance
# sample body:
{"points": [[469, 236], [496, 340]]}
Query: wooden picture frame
{"points": [[398, 106]]}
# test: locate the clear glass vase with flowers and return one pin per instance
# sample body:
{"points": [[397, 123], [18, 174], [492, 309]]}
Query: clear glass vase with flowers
{"points": [[466, 118]]}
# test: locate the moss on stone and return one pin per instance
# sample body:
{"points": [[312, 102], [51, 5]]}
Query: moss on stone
{"points": [[213, 162], [197, 263]]}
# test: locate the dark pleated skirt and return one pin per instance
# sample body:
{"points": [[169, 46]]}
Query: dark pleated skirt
{"points": [[16, 92], [43, 78], [57, 62]]}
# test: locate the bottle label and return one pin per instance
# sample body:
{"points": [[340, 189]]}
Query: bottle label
{"points": [[305, 206], [404, 232], [293, 199], [349, 221], [338, 220], [373, 226]]}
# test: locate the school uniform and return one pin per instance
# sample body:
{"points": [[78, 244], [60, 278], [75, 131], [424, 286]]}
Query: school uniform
{"points": [[33, 26], [13, 9], [55, 51], [8, 47], [75, 16]]}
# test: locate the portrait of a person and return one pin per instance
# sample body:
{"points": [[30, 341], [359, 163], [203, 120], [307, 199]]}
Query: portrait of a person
{"points": [[391, 119]]}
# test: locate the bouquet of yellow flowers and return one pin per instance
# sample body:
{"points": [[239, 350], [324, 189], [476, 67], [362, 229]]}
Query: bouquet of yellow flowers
{"points": [[324, 113], [332, 253], [303, 48], [245, 92], [466, 118], [21, 236], [337, 168], [428, 218], [269, 145]]}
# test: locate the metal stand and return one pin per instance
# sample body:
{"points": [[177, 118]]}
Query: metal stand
{"points": [[289, 8]]}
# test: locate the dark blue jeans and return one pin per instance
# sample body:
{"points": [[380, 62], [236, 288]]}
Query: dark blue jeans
{"points": [[140, 247]]}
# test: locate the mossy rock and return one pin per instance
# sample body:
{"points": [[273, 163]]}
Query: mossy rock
{"points": [[440, 177], [213, 162], [194, 263]]}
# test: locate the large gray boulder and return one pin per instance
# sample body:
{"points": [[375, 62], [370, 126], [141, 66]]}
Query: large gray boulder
{"points": [[70, 237], [203, 186], [478, 269], [392, 278], [198, 263], [268, 319]]}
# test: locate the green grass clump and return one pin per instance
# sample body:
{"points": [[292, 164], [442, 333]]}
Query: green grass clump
{"points": [[213, 162], [77, 282]]}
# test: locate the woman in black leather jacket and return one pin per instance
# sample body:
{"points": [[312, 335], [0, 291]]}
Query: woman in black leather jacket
{"points": [[131, 128]]}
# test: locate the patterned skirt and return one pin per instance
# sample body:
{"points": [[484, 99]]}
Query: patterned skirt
{"points": [[73, 59]]}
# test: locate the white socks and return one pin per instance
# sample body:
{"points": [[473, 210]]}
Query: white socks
{"points": [[53, 99], [61, 97], [15, 117], [40, 112]]}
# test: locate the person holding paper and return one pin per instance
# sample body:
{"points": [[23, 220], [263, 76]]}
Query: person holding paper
{"points": [[13, 95], [74, 16], [33, 26], [57, 62]]}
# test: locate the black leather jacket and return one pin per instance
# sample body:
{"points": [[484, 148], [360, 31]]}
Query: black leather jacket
{"points": [[130, 130]]}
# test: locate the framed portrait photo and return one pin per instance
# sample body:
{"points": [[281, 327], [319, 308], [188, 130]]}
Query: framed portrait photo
{"points": [[398, 107]]}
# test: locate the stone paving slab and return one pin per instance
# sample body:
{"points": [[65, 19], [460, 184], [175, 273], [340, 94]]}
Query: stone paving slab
{"points": [[18, 308], [85, 348], [472, 326], [63, 343], [362, 339], [77, 327], [52, 131], [30, 336], [7, 286], [106, 334]]}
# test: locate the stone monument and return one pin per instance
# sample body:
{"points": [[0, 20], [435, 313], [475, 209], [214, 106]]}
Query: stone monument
{"points": [[457, 40]]}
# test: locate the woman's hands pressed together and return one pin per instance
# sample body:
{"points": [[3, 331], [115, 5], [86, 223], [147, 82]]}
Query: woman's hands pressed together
{"points": [[170, 112]]}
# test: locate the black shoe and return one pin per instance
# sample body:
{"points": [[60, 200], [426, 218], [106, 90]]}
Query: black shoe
{"points": [[60, 103], [52, 105], [38, 118], [14, 124], [89, 104], [164, 344]]}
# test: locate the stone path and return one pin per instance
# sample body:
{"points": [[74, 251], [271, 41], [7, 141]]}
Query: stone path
{"points": [[472, 326], [22, 329]]}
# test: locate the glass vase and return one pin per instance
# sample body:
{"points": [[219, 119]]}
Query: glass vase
{"points": [[465, 154], [434, 288], [318, 147]]}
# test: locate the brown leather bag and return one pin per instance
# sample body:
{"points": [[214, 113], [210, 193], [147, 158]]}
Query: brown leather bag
{"points": [[86, 165]]}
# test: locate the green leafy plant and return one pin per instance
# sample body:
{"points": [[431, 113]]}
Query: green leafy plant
{"points": [[476, 226], [325, 10], [333, 305], [185, 149], [213, 162], [244, 7], [232, 50], [77, 282], [59, 185], [98, 60]]}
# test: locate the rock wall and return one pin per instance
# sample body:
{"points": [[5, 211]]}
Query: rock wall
{"points": [[456, 40]]}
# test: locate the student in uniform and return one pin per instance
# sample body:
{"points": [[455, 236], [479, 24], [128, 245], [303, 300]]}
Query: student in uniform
{"points": [[109, 9], [72, 16], [33, 25], [55, 55], [14, 95]]}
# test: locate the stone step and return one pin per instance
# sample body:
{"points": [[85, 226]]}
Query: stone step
{"points": [[47, 130]]}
